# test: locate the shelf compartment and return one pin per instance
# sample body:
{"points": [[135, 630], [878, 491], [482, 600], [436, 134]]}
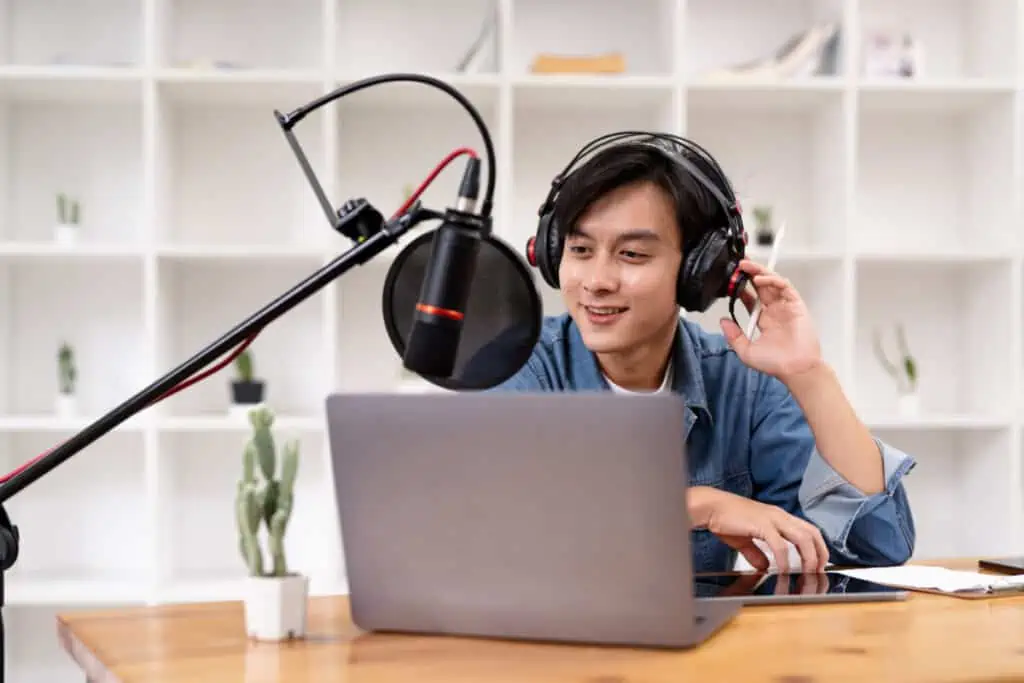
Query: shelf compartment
{"points": [[227, 176], [415, 140], [379, 36], [202, 300], [722, 34], [88, 151], [92, 33], [199, 475], [959, 345], [642, 31], [365, 359], [820, 284], [935, 178], [273, 35], [961, 39], [545, 138], [791, 158], [84, 522], [98, 310]]}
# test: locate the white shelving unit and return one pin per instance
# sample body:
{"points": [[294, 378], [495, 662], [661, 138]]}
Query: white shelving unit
{"points": [[902, 199]]}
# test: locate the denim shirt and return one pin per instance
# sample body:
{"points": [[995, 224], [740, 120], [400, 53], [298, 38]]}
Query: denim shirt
{"points": [[746, 434]]}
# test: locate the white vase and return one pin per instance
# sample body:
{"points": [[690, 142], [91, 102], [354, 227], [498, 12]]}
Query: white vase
{"points": [[66, 405], [275, 607], [909, 404], [66, 234]]}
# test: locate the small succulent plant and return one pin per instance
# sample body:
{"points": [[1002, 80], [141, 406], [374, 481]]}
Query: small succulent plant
{"points": [[903, 369], [67, 372]]}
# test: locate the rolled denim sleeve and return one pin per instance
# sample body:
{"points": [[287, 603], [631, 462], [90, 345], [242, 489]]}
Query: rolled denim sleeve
{"points": [[790, 472], [876, 529]]}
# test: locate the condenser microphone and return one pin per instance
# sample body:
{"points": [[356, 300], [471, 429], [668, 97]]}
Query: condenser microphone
{"points": [[440, 311], [461, 307]]}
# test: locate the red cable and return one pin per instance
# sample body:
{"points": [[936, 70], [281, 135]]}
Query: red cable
{"points": [[452, 156]]}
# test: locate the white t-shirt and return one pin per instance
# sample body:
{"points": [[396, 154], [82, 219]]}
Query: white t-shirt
{"points": [[666, 384]]}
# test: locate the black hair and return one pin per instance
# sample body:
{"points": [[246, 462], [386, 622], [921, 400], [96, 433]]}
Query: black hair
{"points": [[696, 209]]}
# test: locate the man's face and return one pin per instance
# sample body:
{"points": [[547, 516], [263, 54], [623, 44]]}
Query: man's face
{"points": [[619, 267]]}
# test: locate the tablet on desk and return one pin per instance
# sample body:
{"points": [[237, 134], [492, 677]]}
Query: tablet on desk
{"points": [[769, 588]]}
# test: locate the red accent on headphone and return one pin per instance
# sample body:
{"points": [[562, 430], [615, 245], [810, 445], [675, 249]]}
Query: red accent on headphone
{"points": [[732, 280], [531, 251]]}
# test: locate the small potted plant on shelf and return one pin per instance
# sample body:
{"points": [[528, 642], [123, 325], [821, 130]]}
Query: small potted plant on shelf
{"points": [[275, 595], [68, 220], [67, 381], [903, 370], [764, 232], [247, 392]]}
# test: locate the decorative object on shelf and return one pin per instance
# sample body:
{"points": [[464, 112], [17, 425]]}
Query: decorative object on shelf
{"points": [[812, 52], [764, 232], [275, 596], [903, 370], [67, 382], [482, 54], [247, 392], [68, 220], [609, 63], [892, 54]]}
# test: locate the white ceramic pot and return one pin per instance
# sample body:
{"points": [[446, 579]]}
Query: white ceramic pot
{"points": [[275, 607], [66, 234], [909, 404], [66, 405]]}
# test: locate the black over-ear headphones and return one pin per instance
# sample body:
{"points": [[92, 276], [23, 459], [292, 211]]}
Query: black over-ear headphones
{"points": [[710, 269]]}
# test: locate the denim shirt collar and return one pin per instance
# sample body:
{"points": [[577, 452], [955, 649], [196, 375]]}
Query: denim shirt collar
{"points": [[687, 378]]}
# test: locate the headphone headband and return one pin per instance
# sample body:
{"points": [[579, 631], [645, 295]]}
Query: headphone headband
{"points": [[650, 139]]}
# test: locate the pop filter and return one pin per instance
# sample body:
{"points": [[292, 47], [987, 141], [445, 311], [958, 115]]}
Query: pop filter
{"points": [[503, 312]]}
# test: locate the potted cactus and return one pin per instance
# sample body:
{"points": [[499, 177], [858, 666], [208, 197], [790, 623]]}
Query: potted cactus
{"points": [[764, 232], [903, 371], [275, 595], [247, 392], [67, 381], [68, 220]]}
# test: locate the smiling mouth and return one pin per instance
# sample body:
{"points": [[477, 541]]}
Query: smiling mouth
{"points": [[605, 310]]}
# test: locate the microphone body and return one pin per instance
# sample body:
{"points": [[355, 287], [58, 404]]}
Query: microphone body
{"points": [[437, 324]]}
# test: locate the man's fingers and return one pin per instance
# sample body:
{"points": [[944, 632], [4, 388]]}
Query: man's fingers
{"points": [[802, 536], [754, 555], [777, 545], [748, 298]]}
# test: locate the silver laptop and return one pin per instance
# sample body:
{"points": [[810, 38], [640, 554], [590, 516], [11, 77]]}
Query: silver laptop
{"points": [[548, 517]]}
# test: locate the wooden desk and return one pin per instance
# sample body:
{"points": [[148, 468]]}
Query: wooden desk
{"points": [[927, 638]]}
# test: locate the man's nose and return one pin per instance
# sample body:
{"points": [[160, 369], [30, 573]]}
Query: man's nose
{"points": [[601, 274]]}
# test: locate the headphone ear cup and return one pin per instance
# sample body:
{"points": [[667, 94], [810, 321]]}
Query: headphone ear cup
{"points": [[548, 249], [706, 272]]}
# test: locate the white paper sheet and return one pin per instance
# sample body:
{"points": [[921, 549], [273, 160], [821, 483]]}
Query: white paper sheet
{"points": [[937, 578]]}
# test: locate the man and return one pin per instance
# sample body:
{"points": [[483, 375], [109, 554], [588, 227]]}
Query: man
{"points": [[776, 452]]}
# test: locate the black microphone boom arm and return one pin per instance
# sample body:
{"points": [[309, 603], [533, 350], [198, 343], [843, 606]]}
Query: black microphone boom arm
{"points": [[379, 236]]}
